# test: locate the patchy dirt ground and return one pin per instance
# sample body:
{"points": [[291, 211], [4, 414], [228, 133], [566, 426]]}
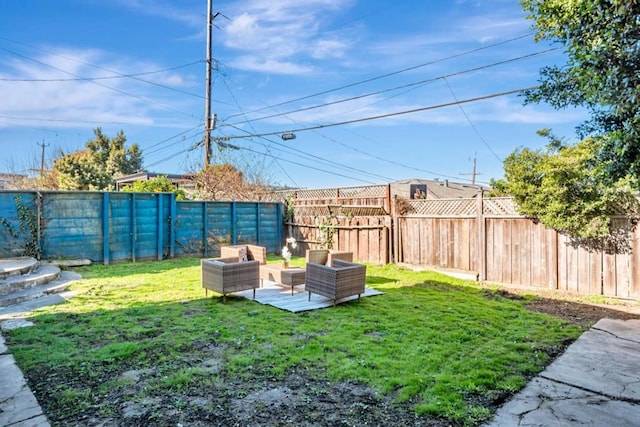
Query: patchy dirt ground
{"points": [[301, 399], [572, 309]]}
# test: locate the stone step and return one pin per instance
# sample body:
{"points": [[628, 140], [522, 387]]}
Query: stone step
{"points": [[37, 296], [41, 275], [17, 266]]}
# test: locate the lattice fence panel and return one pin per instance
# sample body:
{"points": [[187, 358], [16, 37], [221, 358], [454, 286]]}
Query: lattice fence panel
{"points": [[499, 206], [444, 207], [319, 193], [360, 192]]}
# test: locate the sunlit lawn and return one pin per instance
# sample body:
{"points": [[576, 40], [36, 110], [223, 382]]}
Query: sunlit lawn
{"points": [[442, 343]]}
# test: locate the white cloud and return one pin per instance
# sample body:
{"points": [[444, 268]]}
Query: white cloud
{"points": [[64, 99], [272, 66], [284, 33], [167, 10]]}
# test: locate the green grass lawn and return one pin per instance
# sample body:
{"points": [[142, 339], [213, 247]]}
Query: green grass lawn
{"points": [[445, 346]]}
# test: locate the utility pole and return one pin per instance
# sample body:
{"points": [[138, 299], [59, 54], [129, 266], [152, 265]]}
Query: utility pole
{"points": [[43, 145], [473, 171], [209, 124]]}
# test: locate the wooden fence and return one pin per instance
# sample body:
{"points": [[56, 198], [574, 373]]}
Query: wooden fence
{"points": [[488, 237], [354, 219]]}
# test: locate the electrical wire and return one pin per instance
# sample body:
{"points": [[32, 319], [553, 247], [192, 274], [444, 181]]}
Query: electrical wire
{"points": [[477, 132], [387, 115], [320, 159], [385, 75], [123, 92], [344, 145], [404, 86], [117, 76], [284, 171]]}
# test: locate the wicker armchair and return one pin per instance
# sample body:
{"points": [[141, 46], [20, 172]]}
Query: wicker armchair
{"points": [[341, 280], [253, 252], [227, 275], [326, 257]]}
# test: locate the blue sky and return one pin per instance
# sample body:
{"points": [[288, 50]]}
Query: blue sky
{"points": [[369, 86]]}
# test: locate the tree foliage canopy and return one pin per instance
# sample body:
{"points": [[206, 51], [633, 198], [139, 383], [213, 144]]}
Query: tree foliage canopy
{"points": [[158, 184], [602, 72], [562, 186], [96, 166]]}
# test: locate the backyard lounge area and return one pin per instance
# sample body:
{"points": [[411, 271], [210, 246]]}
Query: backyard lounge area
{"points": [[140, 344]]}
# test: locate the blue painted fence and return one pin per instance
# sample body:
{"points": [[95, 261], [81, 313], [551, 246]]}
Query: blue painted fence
{"points": [[115, 226]]}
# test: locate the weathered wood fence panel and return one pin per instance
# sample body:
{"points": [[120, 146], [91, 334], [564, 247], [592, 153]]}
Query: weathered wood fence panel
{"points": [[353, 219], [367, 237], [107, 227], [500, 246]]}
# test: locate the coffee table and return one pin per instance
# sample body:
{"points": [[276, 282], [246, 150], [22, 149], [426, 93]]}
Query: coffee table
{"points": [[291, 276]]}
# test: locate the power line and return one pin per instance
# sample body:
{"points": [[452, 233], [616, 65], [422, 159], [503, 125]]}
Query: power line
{"points": [[284, 171], [310, 167], [385, 75], [117, 76], [387, 115], [313, 157], [342, 144], [39, 119], [404, 86], [95, 82], [156, 147], [464, 113]]}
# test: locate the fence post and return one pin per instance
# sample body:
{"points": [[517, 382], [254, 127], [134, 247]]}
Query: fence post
{"points": [[280, 224], [481, 237], [234, 229], [205, 226], [172, 225], [258, 225], [159, 228], [395, 224], [105, 227], [133, 227], [39, 200]]}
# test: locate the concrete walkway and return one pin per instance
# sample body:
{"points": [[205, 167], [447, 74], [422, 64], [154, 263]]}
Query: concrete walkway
{"points": [[595, 382], [18, 405]]}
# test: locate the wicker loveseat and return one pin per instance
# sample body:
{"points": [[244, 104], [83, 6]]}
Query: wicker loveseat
{"points": [[341, 280], [227, 275]]}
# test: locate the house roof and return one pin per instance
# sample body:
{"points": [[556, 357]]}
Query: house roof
{"points": [[438, 189], [145, 176]]}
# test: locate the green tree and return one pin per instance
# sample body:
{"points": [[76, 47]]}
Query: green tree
{"points": [[158, 184], [96, 166], [562, 186], [602, 72]]}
